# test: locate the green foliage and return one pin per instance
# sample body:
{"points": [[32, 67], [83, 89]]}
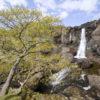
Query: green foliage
{"points": [[10, 97], [28, 30], [21, 28]]}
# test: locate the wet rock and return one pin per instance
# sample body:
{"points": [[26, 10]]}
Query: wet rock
{"points": [[83, 63], [94, 69], [57, 78]]}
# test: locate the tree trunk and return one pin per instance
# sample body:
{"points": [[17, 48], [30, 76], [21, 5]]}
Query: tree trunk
{"points": [[9, 78]]}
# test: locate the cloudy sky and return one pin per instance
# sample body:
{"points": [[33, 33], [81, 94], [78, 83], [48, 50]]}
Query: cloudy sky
{"points": [[72, 12]]}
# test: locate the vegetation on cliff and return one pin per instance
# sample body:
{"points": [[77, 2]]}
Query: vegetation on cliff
{"points": [[26, 43]]}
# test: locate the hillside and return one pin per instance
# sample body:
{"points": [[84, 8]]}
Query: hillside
{"points": [[37, 58]]}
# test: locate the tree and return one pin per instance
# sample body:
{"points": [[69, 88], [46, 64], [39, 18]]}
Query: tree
{"points": [[21, 31]]}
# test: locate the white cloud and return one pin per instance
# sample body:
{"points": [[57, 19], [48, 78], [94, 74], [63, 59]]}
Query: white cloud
{"points": [[48, 4], [4, 3], [61, 8], [89, 5], [42, 8], [63, 15], [17, 2], [45, 5], [82, 5], [66, 6]]}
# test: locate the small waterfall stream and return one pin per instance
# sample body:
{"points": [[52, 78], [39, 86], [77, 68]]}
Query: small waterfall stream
{"points": [[58, 77], [82, 46]]}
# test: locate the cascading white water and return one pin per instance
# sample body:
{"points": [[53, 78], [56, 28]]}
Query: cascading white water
{"points": [[58, 77], [82, 47]]}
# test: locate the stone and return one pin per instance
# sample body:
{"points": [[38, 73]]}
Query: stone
{"points": [[83, 63], [94, 80]]}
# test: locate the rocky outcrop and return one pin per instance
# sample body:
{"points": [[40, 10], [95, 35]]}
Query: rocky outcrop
{"points": [[94, 80], [71, 40], [75, 32], [67, 84], [95, 41]]}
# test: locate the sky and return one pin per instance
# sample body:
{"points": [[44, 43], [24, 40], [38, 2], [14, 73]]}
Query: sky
{"points": [[71, 12]]}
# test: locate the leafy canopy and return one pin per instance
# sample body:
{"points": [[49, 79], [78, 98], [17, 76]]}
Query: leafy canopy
{"points": [[20, 29]]}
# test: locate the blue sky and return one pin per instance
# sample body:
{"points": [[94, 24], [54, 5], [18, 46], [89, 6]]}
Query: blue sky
{"points": [[71, 12]]}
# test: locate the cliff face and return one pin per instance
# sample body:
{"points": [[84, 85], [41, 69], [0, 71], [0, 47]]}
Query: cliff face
{"points": [[71, 40], [95, 41], [75, 31]]}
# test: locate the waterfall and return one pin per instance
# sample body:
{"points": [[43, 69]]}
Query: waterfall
{"points": [[82, 46], [58, 77]]}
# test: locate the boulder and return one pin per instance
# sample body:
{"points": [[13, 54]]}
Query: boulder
{"points": [[95, 41], [83, 63], [94, 80]]}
